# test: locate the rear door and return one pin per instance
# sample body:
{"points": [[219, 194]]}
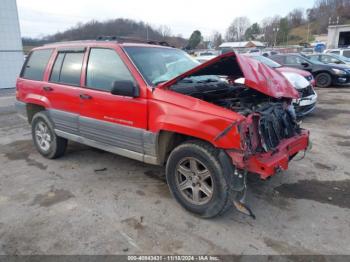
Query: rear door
{"points": [[63, 89], [111, 120]]}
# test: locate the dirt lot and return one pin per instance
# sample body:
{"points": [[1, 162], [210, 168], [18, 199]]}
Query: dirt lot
{"points": [[93, 202]]}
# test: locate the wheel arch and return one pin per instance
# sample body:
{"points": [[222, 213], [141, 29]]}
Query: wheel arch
{"points": [[32, 109], [168, 140]]}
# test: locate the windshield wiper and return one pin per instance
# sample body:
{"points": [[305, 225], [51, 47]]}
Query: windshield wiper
{"points": [[209, 80], [159, 82]]}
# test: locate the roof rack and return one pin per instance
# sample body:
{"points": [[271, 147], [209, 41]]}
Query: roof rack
{"points": [[118, 39], [123, 39]]}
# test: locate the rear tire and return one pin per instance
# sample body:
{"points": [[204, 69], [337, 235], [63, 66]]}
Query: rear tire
{"points": [[45, 140], [323, 80], [196, 179]]}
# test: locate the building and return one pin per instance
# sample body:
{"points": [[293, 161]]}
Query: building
{"points": [[11, 50], [338, 36], [243, 44]]}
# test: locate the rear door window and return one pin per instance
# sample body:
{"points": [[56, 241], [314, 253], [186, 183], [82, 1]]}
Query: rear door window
{"points": [[346, 53], [67, 68], [35, 66], [56, 70]]}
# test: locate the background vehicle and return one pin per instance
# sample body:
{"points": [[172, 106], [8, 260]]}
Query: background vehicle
{"points": [[269, 53], [307, 51], [157, 105], [344, 52], [324, 74], [308, 97], [330, 59], [206, 55]]}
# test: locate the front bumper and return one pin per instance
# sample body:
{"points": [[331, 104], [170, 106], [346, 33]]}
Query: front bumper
{"points": [[342, 80], [269, 163], [307, 103]]}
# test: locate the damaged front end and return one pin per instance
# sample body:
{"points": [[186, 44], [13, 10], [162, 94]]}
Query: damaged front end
{"points": [[269, 133], [270, 138]]}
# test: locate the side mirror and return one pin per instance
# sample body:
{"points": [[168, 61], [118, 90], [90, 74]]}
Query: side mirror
{"points": [[304, 64], [125, 88]]}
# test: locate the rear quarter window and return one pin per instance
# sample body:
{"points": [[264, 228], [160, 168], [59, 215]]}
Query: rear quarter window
{"points": [[35, 66]]}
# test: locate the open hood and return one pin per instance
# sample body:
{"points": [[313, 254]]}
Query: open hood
{"points": [[257, 75]]}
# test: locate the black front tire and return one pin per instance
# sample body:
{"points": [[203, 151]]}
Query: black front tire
{"points": [[323, 80], [208, 155], [57, 145]]}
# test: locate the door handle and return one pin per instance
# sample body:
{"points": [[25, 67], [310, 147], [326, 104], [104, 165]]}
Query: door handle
{"points": [[85, 96], [47, 88]]}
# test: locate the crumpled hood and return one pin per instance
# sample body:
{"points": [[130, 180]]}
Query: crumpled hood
{"points": [[257, 75]]}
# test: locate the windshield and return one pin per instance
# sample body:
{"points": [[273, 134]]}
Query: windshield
{"points": [[342, 58], [158, 64], [266, 61]]}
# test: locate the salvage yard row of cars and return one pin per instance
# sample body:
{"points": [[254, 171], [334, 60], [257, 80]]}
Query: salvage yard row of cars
{"points": [[211, 125], [331, 68]]}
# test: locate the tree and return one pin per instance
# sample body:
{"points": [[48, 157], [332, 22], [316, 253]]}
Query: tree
{"points": [[216, 39], [231, 33], [283, 31], [165, 31], [237, 29], [252, 32], [269, 27], [296, 17], [195, 39]]}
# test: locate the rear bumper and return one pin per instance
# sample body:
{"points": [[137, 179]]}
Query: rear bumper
{"points": [[269, 163]]}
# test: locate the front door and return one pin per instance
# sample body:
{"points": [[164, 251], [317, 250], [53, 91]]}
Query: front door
{"points": [[116, 123]]}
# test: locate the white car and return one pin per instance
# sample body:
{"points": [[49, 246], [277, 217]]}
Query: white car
{"points": [[206, 56], [339, 51], [308, 97]]}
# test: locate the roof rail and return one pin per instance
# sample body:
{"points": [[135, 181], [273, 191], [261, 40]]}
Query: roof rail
{"points": [[106, 38], [124, 39], [118, 39]]}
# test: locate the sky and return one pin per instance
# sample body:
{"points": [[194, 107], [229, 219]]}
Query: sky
{"points": [[43, 17]]}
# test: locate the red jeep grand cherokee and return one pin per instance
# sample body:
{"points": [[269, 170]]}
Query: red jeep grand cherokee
{"points": [[157, 105]]}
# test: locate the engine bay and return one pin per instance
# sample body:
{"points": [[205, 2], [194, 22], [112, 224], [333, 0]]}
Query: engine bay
{"points": [[272, 119]]}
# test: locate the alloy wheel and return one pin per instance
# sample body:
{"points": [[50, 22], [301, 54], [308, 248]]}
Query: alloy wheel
{"points": [[43, 136], [194, 181]]}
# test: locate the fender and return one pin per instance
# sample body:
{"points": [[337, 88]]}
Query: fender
{"points": [[193, 117], [36, 99]]}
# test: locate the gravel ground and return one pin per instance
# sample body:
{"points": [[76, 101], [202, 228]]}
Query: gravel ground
{"points": [[93, 202]]}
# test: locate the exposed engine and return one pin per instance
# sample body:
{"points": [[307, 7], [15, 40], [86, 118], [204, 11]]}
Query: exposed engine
{"points": [[273, 119]]}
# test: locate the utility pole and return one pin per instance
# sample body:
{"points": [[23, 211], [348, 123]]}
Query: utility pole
{"points": [[308, 32], [147, 30], [275, 30]]}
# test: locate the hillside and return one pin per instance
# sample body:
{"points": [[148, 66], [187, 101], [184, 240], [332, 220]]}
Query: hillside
{"points": [[117, 27], [299, 34]]}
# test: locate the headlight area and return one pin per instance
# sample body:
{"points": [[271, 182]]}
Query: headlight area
{"points": [[339, 71]]}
